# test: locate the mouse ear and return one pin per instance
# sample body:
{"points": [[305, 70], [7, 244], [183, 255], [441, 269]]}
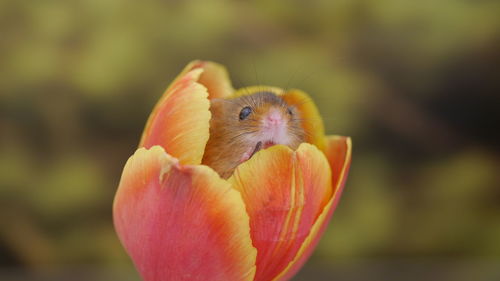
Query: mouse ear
{"points": [[217, 106]]}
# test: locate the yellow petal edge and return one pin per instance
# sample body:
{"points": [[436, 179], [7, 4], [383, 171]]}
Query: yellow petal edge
{"points": [[316, 228]]}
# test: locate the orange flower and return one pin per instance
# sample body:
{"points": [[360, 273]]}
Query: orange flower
{"points": [[178, 220]]}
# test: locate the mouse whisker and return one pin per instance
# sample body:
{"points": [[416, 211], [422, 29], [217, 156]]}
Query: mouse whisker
{"points": [[307, 120], [252, 119], [299, 130], [231, 134], [242, 134], [300, 102]]}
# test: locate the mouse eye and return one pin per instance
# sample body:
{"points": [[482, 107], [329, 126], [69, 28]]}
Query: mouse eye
{"points": [[245, 112], [289, 110]]}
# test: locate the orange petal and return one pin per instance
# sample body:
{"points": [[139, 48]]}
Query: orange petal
{"points": [[311, 120], [216, 79], [338, 152], [284, 193], [181, 222], [180, 120]]}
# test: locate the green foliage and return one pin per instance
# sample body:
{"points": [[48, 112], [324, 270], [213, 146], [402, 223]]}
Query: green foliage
{"points": [[78, 79]]}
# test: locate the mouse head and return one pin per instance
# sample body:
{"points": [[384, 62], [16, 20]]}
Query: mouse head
{"points": [[268, 119]]}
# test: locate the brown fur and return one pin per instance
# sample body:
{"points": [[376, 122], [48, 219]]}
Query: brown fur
{"points": [[230, 137]]}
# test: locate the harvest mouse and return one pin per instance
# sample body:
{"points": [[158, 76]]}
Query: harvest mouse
{"points": [[243, 125]]}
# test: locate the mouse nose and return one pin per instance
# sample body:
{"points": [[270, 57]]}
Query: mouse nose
{"points": [[274, 118]]}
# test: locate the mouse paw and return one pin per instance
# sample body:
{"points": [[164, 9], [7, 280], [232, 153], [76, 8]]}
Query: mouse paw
{"points": [[246, 156]]}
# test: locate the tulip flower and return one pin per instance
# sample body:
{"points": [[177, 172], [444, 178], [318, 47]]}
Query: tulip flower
{"points": [[179, 220]]}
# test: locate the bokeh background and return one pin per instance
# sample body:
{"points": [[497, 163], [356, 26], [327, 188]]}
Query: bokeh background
{"points": [[415, 83]]}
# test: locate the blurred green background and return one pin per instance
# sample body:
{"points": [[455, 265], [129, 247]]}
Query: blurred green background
{"points": [[415, 83]]}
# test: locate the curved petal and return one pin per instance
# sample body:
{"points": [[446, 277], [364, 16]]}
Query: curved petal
{"points": [[311, 120], [284, 193], [180, 120], [338, 152], [216, 79], [181, 222]]}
